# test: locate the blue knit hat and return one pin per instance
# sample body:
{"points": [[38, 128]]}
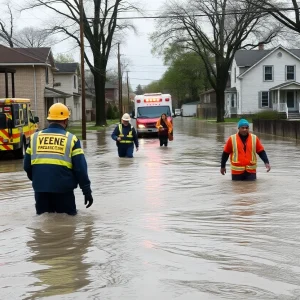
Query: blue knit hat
{"points": [[243, 122]]}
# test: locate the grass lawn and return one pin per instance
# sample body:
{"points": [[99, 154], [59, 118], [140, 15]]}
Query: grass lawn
{"points": [[77, 130]]}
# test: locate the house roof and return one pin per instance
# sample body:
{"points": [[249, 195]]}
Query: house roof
{"points": [[66, 67], [247, 58], [284, 85], [21, 56], [110, 85], [231, 90], [293, 52], [53, 93], [192, 103], [208, 92]]}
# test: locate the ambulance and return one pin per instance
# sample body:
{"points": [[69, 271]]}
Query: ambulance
{"points": [[147, 110], [17, 124]]}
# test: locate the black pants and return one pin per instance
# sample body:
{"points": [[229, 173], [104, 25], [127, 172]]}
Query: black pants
{"points": [[244, 176], [55, 202], [163, 140]]}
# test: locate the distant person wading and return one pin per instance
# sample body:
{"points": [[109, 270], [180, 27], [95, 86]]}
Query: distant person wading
{"points": [[126, 137], [165, 129]]}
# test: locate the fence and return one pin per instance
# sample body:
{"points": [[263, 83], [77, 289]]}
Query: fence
{"points": [[284, 128], [207, 112]]}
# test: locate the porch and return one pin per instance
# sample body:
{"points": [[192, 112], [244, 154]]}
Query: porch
{"points": [[285, 98]]}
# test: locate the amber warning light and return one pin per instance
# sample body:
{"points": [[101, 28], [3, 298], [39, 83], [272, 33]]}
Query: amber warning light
{"points": [[153, 100]]}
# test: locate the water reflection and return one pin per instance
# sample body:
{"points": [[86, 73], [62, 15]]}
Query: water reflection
{"points": [[9, 165], [59, 246]]}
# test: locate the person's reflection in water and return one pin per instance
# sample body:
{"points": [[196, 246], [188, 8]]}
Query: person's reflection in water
{"points": [[60, 246]]}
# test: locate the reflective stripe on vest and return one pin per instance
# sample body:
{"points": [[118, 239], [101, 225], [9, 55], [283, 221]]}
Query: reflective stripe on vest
{"points": [[235, 158], [59, 154], [130, 136]]}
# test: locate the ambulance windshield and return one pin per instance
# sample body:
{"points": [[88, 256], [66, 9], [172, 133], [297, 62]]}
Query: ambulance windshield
{"points": [[153, 111]]}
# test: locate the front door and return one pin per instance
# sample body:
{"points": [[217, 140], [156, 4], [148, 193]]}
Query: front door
{"points": [[290, 100]]}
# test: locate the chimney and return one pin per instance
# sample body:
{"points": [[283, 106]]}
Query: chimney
{"points": [[260, 46]]}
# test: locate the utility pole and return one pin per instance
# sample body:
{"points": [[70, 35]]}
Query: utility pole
{"points": [[128, 92], [120, 83], [82, 72]]}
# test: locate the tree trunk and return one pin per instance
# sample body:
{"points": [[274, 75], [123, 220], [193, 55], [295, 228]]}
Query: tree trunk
{"points": [[99, 81], [220, 103], [221, 84]]}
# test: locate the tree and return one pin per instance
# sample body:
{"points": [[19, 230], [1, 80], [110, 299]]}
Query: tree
{"points": [[64, 58], [186, 76], [6, 33], [153, 87], [100, 27], [281, 11], [30, 37], [139, 90], [232, 26]]}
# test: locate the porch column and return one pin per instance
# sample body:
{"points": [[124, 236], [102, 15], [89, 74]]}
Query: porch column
{"points": [[278, 99]]}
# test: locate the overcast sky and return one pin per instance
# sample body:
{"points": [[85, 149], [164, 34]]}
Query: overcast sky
{"points": [[143, 66]]}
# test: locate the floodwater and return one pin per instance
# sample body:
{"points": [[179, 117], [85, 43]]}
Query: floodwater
{"points": [[164, 225]]}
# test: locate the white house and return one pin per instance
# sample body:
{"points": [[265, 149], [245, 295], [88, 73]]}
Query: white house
{"points": [[264, 80]]}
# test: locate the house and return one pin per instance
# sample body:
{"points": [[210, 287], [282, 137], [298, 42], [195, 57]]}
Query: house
{"points": [[33, 78], [111, 91], [264, 80], [189, 109], [66, 80], [207, 107]]}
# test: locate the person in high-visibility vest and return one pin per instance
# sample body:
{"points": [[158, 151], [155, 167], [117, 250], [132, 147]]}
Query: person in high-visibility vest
{"points": [[126, 137], [242, 148], [55, 163]]}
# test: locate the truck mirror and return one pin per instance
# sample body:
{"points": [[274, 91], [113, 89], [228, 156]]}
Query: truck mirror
{"points": [[36, 119]]}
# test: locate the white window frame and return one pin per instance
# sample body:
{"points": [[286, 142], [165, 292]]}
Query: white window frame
{"points": [[261, 99], [286, 73], [268, 66]]}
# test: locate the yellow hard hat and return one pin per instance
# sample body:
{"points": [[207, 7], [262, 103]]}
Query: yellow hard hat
{"points": [[58, 112]]}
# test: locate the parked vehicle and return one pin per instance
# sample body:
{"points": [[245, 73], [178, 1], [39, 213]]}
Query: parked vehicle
{"points": [[147, 110], [177, 111], [17, 123]]}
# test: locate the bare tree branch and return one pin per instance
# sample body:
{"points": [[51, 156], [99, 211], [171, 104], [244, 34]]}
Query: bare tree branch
{"points": [[215, 33], [100, 26]]}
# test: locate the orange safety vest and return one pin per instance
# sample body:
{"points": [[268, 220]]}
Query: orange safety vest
{"points": [[241, 160]]}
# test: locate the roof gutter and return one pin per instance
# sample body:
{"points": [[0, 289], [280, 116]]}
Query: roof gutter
{"points": [[25, 64]]}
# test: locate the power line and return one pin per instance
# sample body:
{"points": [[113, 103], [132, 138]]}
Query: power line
{"points": [[239, 12]]}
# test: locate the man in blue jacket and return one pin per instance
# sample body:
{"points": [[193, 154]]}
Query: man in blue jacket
{"points": [[55, 163], [126, 137]]}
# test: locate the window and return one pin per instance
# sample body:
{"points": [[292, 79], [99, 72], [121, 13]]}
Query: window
{"points": [[47, 75], [232, 101], [25, 114], [268, 73], [75, 81], [206, 98], [290, 72], [234, 74], [264, 99]]}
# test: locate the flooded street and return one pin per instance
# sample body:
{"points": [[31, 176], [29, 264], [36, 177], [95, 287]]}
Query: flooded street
{"points": [[164, 225]]}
